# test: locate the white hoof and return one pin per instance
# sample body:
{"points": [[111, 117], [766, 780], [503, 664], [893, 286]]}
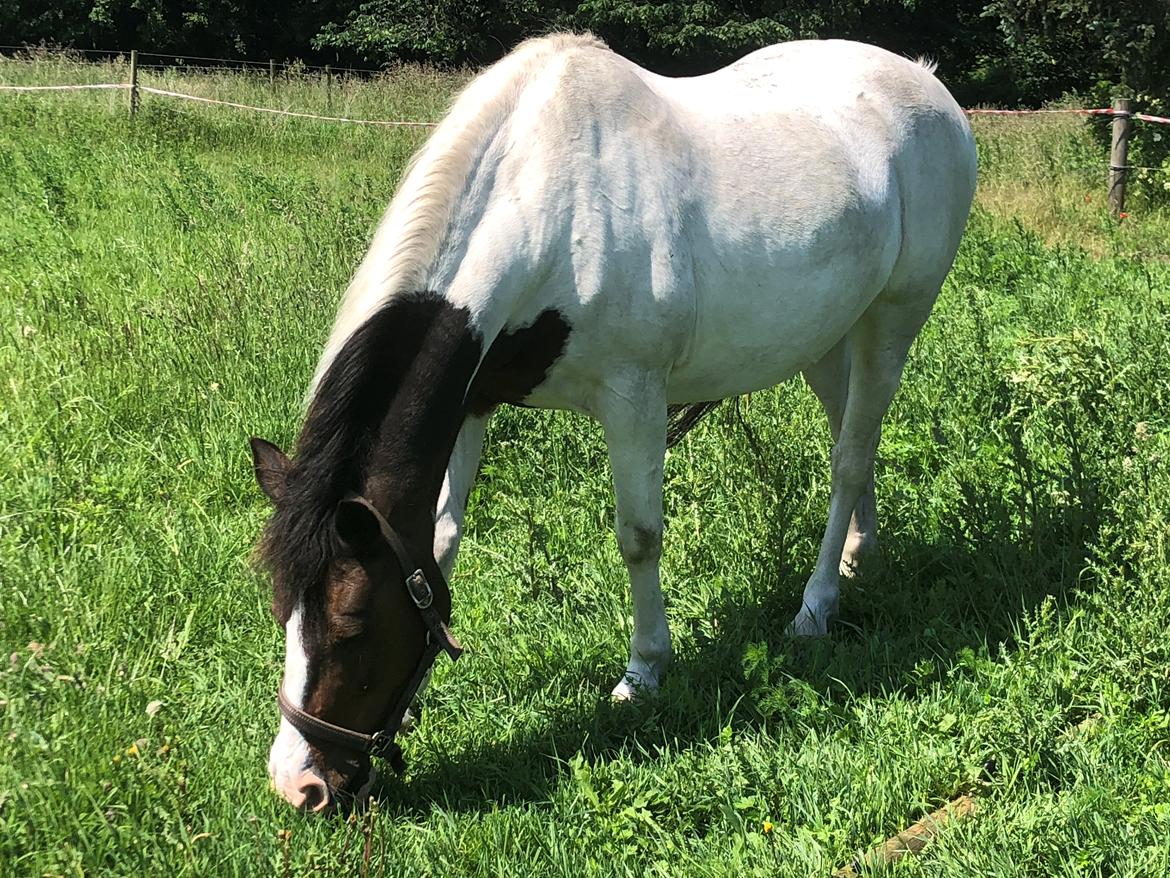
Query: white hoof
{"points": [[850, 568], [809, 623], [625, 690], [635, 685]]}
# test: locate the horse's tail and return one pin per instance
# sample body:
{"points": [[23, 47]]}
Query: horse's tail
{"points": [[681, 418]]}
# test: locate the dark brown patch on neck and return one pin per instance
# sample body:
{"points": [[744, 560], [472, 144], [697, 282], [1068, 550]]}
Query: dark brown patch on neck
{"points": [[518, 362]]}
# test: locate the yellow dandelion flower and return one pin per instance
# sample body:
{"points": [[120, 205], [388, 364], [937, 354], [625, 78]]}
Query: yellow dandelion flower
{"points": [[767, 826]]}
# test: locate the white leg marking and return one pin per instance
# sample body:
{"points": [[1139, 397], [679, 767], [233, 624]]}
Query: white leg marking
{"points": [[829, 380], [635, 432], [819, 603], [862, 541], [456, 488], [879, 344]]}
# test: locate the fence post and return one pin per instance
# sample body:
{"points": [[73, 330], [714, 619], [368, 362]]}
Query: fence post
{"points": [[272, 72], [133, 82], [1119, 155], [328, 88]]}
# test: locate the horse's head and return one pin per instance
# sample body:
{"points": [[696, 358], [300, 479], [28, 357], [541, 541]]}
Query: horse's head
{"points": [[362, 627]]}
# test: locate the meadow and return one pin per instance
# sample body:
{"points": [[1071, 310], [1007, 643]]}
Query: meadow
{"points": [[165, 286]]}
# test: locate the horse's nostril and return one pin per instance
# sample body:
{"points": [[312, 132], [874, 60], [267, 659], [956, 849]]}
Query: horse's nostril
{"points": [[314, 792]]}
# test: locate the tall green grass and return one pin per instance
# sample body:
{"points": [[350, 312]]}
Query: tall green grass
{"points": [[405, 93], [165, 286], [1049, 174]]}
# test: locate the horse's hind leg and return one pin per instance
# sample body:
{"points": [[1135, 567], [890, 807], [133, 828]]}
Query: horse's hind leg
{"points": [[878, 344], [829, 379], [633, 413]]}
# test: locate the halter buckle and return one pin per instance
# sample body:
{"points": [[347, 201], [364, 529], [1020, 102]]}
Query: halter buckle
{"points": [[380, 743], [419, 590]]}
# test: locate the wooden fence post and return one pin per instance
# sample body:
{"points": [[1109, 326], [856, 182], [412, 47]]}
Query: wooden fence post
{"points": [[133, 82], [1119, 155], [272, 72], [328, 88]]}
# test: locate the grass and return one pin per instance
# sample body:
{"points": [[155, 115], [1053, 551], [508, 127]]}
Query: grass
{"points": [[1049, 173], [405, 93], [164, 290]]}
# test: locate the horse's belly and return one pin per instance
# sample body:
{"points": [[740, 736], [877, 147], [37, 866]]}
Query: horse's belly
{"points": [[739, 350], [773, 312]]}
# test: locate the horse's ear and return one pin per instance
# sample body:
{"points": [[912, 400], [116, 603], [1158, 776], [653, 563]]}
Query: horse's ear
{"points": [[271, 466], [356, 525]]}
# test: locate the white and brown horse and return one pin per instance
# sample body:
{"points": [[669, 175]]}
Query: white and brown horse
{"points": [[582, 234]]}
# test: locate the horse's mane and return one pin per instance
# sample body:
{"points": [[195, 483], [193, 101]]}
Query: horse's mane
{"points": [[411, 232], [299, 541]]}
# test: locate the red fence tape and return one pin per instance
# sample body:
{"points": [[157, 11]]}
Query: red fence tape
{"points": [[1106, 111], [981, 112]]}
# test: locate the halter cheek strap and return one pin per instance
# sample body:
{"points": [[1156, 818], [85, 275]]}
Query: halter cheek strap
{"points": [[439, 639]]}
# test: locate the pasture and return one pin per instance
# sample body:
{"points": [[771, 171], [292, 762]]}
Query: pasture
{"points": [[165, 286]]}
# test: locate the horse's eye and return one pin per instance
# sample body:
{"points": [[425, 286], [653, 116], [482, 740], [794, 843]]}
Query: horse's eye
{"points": [[348, 627]]}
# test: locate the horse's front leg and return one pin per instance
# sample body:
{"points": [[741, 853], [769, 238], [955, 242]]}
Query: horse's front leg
{"points": [[633, 413], [456, 489]]}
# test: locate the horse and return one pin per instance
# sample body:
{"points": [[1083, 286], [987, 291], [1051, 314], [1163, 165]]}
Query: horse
{"points": [[579, 233]]}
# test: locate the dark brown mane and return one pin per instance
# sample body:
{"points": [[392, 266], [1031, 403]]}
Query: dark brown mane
{"points": [[342, 426]]}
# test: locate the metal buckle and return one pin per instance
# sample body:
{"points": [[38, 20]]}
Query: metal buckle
{"points": [[419, 590], [380, 742]]}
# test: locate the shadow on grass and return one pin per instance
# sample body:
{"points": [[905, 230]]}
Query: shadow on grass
{"points": [[903, 626]]}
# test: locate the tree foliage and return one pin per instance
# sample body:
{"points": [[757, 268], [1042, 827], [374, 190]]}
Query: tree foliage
{"points": [[231, 28], [1045, 43], [440, 31], [1001, 51]]}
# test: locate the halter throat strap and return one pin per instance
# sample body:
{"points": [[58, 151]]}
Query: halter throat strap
{"points": [[439, 639]]}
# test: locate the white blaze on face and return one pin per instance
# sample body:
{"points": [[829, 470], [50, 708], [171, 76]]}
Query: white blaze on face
{"points": [[289, 757]]}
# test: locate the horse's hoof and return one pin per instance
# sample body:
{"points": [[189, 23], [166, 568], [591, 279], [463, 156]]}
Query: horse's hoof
{"points": [[632, 687], [807, 624]]}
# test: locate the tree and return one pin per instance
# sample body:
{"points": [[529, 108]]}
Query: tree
{"points": [[1000, 51], [1057, 45], [443, 32]]}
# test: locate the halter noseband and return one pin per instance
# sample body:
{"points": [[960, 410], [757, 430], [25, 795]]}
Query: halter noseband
{"points": [[439, 639]]}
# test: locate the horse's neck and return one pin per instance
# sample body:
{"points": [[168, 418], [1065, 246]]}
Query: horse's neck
{"points": [[412, 446]]}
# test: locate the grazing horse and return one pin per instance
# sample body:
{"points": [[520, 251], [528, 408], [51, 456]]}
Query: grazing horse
{"points": [[579, 233]]}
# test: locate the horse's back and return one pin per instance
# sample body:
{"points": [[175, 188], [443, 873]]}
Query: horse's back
{"points": [[735, 225]]}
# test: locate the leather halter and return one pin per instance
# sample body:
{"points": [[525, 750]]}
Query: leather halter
{"points": [[439, 639]]}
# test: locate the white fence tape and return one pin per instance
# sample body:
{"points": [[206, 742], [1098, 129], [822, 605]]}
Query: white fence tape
{"points": [[1144, 117], [186, 97], [202, 100], [1107, 111], [63, 87]]}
